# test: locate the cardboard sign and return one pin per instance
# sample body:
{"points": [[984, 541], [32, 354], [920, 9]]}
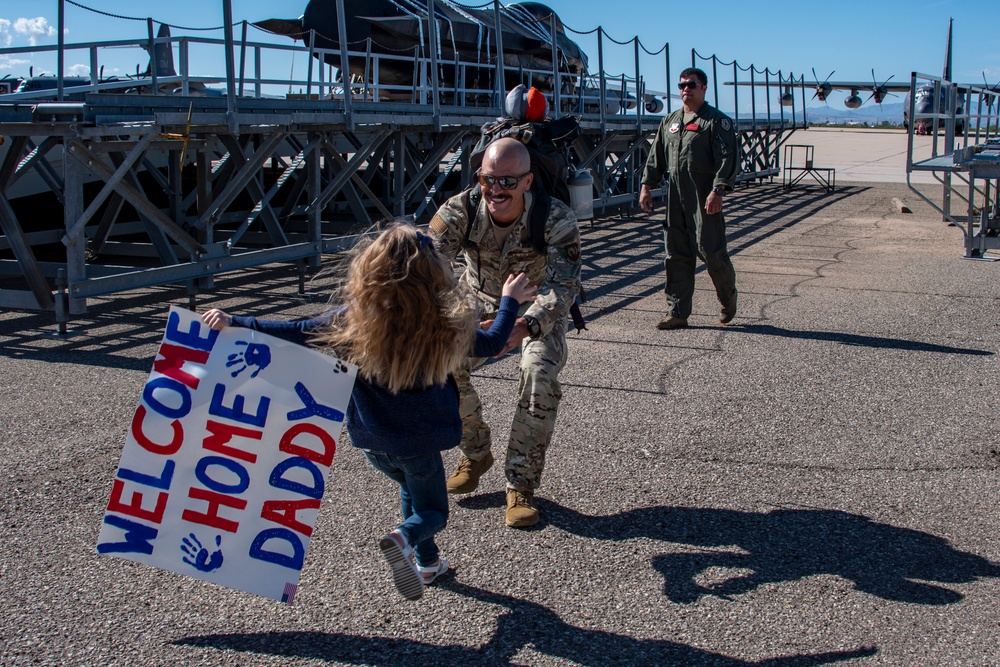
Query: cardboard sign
{"points": [[227, 456]]}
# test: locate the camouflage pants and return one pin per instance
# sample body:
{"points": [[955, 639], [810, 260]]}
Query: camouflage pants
{"points": [[535, 417]]}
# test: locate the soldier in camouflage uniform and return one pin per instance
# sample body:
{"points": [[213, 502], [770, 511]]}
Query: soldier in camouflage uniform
{"points": [[696, 146], [499, 244]]}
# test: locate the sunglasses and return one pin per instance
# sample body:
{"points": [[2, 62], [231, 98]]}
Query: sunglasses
{"points": [[688, 84], [505, 182]]}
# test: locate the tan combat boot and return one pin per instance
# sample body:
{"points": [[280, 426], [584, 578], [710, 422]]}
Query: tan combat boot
{"points": [[465, 479], [521, 510]]}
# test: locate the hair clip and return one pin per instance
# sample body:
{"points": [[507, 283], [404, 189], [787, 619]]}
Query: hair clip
{"points": [[423, 240]]}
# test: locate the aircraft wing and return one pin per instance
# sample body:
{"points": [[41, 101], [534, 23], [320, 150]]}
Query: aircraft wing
{"points": [[833, 85], [287, 27]]}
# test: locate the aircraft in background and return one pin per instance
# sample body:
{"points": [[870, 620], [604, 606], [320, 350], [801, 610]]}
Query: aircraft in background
{"points": [[925, 101], [8, 84], [399, 32], [161, 62]]}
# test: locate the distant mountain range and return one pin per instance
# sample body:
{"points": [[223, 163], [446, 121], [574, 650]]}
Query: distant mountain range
{"points": [[867, 114], [872, 114]]}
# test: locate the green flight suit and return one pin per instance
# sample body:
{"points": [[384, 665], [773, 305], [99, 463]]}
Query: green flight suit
{"points": [[698, 156]]}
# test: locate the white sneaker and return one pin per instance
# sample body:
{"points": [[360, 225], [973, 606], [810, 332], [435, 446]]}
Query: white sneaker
{"points": [[405, 575], [430, 573]]}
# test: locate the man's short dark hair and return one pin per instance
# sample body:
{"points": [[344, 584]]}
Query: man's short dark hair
{"points": [[695, 72]]}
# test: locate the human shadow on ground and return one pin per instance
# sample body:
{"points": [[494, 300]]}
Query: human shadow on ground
{"points": [[623, 256], [524, 625], [892, 563], [857, 339]]}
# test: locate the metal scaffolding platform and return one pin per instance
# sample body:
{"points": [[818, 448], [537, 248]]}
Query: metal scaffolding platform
{"points": [[156, 189], [965, 159]]}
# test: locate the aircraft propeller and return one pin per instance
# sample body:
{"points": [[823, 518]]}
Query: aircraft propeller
{"points": [[988, 99], [822, 89], [879, 92]]}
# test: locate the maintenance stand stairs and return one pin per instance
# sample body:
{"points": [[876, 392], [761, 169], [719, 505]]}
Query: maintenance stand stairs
{"points": [[798, 163]]}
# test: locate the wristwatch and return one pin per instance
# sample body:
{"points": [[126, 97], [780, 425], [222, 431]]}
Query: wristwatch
{"points": [[719, 190], [534, 327]]}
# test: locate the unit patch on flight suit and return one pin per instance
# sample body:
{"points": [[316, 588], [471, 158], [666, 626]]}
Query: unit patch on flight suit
{"points": [[674, 128], [725, 124]]}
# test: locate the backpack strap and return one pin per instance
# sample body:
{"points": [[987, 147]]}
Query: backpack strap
{"points": [[471, 197], [539, 216], [536, 226]]}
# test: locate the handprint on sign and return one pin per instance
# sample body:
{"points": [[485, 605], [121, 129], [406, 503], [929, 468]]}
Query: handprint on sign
{"points": [[191, 546], [256, 355]]}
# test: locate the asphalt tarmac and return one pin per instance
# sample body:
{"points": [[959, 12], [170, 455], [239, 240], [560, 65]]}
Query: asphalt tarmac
{"points": [[815, 483]]}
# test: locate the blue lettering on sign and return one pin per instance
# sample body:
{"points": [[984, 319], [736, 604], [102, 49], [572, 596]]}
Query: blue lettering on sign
{"points": [[161, 482], [237, 413], [167, 384], [312, 407], [137, 537], [293, 561], [190, 338], [201, 472], [278, 481]]}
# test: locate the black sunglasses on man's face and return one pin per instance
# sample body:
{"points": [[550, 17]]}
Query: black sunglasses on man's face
{"points": [[688, 84], [505, 182]]}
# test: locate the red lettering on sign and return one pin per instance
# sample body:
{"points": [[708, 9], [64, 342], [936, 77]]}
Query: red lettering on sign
{"points": [[149, 445], [211, 516], [283, 512], [220, 434], [171, 358], [327, 440]]}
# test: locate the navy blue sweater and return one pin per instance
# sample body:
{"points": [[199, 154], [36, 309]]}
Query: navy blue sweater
{"points": [[414, 421]]}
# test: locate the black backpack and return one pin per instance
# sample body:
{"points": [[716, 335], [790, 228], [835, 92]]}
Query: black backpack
{"points": [[548, 143]]}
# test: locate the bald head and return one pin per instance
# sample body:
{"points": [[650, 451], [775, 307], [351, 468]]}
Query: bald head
{"points": [[509, 152]]}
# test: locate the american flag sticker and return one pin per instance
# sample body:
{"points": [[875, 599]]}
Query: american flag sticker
{"points": [[289, 593]]}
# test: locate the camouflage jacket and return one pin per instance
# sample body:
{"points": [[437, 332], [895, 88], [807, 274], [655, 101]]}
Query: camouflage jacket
{"points": [[557, 273]]}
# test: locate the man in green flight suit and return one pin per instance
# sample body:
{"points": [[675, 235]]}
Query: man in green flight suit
{"points": [[696, 147]]}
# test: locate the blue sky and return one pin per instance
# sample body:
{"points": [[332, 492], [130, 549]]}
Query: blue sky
{"points": [[849, 36]]}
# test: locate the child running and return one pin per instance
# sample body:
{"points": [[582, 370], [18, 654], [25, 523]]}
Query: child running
{"points": [[407, 323]]}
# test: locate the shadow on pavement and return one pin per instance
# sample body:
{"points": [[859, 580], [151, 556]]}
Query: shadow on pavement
{"points": [[525, 625], [622, 253], [857, 339], [892, 563]]}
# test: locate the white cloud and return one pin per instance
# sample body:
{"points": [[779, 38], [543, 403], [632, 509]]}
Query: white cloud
{"points": [[78, 70], [12, 64], [6, 38], [34, 29]]}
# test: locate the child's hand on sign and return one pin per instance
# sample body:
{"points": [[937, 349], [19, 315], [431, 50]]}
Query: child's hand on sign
{"points": [[217, 319]]}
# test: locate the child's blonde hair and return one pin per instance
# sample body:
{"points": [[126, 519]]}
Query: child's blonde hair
{"points": [[407, 323]]}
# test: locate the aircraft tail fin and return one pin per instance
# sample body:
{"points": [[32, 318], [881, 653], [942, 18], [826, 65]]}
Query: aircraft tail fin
{"points": [[162, 57], [947, 55]]}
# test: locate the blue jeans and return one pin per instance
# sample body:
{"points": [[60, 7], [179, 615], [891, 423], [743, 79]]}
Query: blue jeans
{"points": [[423, 496]]}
